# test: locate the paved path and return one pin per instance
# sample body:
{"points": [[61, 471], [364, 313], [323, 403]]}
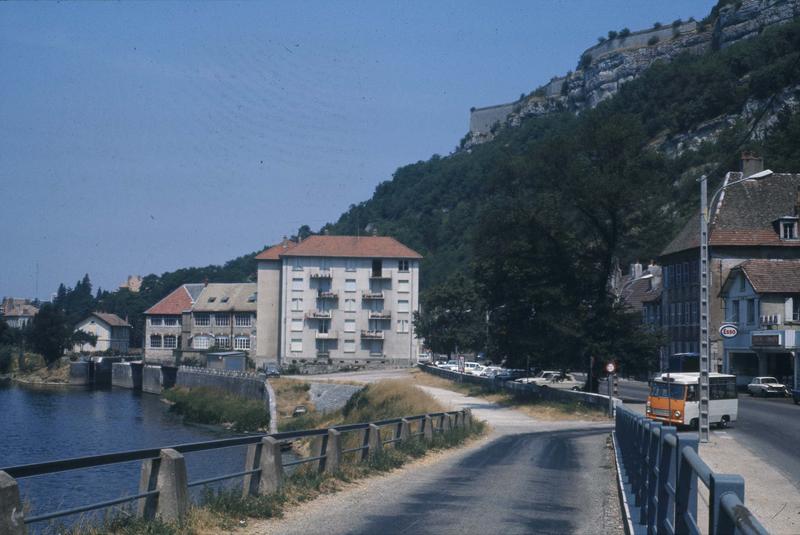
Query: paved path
{"points": [[526, 477]]}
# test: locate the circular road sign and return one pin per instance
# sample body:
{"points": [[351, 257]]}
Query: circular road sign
{"points": [[610, 367], [728, 330]]}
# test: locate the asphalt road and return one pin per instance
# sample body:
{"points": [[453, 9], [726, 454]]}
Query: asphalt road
{"points": [[769, 427]]}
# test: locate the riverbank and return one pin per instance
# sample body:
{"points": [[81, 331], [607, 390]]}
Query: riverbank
{"points": [[57, 375]]}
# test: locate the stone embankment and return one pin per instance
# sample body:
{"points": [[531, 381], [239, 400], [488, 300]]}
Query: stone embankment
{"points": [[330, 397]]}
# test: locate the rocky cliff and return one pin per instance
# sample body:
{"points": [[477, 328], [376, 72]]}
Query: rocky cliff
{"points": [[606, 66]]}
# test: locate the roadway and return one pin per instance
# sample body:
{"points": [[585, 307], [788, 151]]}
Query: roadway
{"points": [[769, 427]]}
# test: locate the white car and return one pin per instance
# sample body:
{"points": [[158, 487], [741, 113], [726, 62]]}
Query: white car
{"points": [[766, 386], [490, 371], [473, 368], [554, 379]]}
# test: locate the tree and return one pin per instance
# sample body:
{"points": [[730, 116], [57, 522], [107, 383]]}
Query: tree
{"points": [[451, 318], [50, 334], [80, 337]]}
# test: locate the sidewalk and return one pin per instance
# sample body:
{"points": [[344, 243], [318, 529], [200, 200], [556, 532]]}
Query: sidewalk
{"points": [[768, 494]]}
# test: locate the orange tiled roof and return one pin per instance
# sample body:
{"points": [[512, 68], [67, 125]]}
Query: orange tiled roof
{"points": [[274, 252], [174, 303], [352, 247]]}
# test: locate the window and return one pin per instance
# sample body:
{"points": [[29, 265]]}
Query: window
{"points": [[224, 299], [795, 305], [297, 304], [170, 321], [735, 311], [222, 342], [350, 305], [212, 299], [350, 285], [695, 313], [251, 299], [297, 284], [350, 264], [678, 274], [402, 265], [241, 342], [170, 341], [155, 320], [349, 326], [403, 286], [377, 268], [297, 325], [679, 314], [787, 231], [243, 320], [155, 341], [202, 319], [686, 273], [297, 345], [402, 326], [349, 346], [751, 311], [222, 320], [402, 305], [201, 342], [296, 264]]}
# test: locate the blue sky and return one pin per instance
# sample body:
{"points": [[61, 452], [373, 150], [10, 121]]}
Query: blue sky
{"points": [[139, 138]]}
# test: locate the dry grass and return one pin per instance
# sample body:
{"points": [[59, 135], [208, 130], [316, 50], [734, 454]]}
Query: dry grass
{"points": [[289, 393], [389, 399], [57, 374], [535, 408]]}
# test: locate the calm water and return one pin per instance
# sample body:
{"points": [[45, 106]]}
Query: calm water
{"points": [[39, 424]]}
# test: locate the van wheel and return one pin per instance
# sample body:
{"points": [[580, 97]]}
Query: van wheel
{"points": [[693, 423], [725, 422]]}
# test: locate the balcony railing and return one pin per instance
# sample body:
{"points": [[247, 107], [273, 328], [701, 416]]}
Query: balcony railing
{"points": [[318, 314], [380, 315], [323, 354], [372, 335], [330, 335], [374, 275], [321, 274], [372, 295], [327, 294], [376, 355]]}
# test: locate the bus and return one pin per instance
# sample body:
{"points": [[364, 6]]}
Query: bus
{"points": [[675, 399]]}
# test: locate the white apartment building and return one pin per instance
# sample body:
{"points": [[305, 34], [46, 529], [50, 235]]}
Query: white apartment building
{"points": [[337, 301]]}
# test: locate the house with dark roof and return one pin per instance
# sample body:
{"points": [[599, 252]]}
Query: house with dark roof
{"points": [[328, 302], [762, 298], [755, 218], [112, 333], [164, 322], [17, 311]]}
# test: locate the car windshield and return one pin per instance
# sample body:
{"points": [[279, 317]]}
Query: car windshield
{"points": [[769, 380], [666, 390]]}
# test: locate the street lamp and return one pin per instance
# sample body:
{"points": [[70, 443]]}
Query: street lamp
{"points": [[705, 275]]}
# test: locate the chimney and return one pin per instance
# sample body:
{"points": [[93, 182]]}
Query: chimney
{"points": [[205, 282], [751, 163], [285, 245]]}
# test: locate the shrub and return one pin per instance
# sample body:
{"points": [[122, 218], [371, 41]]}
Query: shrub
{"points": [[388, 399], [209, 406], [677, 23], [656, 25], [624, 32], [6, 359], [612, 35], [585, 61], [601, 39], [653, 40]]}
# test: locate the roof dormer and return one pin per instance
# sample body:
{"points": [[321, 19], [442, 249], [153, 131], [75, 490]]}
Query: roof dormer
{"points": [[787, 227]]}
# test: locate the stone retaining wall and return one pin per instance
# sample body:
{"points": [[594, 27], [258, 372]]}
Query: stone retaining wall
{"points": [[244, 385]]}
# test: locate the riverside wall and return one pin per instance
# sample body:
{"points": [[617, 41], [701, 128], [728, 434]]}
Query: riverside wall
{"points": [[240, 384]]}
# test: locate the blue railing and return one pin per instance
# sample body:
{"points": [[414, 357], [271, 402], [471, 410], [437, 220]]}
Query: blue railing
{"points": [[660, 469]]}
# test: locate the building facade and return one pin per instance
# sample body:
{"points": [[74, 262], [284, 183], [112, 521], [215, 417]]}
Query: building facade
{"points": [[112, 332], [164, 322], [338, 301], [752, 219], [17, 312], [762, 298], [223, 317]]}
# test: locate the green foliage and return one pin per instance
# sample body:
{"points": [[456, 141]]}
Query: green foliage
{"points": [[612, 34], [6, 359], [653, 40], [585, 61], [624, 32], [209, 406], [657, 25], [601, 40], [50, 334]]}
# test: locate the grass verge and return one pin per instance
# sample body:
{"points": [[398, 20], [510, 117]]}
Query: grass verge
{"points": [[530, 405], [208, 406]]}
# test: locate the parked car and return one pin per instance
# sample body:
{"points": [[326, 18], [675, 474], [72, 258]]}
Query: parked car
{"points": [[440, 363], [491, 371], [509, 375], [473, 368], [270, 370], [766, 386], [553, 379]]}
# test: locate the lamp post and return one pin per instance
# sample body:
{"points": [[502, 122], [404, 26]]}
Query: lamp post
{"points": [[705, 276]]}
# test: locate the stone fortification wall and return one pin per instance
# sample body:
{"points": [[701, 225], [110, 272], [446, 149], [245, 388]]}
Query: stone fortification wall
{"points": [[613, 63], [241, 384]]}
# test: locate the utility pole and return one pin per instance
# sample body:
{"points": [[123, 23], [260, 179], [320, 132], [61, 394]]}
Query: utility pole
{"points": [[704, 339]]}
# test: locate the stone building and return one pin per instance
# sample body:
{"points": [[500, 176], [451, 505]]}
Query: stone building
{"points": [[754, 219], [762, 298], [112, 333], [335, 301], [17, 312], [164, 322], [223, 317]]}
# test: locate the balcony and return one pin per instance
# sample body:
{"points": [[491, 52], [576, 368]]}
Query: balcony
{"points": [[327, 294], [321, 274], [372, 335], [379, 276], [330, 335], [323, 354], [380, 315], [318, 314], [376, 355], [371, 295]]}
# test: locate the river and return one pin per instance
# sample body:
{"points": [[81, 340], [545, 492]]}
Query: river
{"points": [[49, 423]]}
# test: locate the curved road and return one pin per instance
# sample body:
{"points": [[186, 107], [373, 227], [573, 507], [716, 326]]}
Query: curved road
{"points": [[528, 476], [769, 427]]}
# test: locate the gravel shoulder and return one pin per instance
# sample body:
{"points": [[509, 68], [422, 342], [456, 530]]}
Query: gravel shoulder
{"points": [[526, 476]]}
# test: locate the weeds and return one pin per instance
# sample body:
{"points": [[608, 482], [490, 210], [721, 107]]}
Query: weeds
{"points": [[208, 406]]}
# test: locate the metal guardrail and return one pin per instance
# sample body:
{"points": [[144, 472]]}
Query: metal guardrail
{"points": [[660, 469], [326, 451]]}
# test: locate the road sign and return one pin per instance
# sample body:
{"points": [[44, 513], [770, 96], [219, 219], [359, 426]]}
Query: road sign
{"points": [[610, 367], [728, 330]]}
